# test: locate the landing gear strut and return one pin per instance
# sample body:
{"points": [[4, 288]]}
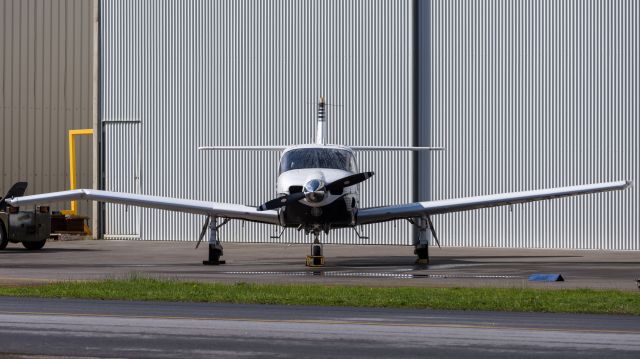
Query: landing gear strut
{"points": [[316, 259], [422, 242], [215, 248]]}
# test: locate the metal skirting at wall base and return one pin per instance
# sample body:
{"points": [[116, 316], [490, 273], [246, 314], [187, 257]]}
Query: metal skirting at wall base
{"points": [[121, 237]]}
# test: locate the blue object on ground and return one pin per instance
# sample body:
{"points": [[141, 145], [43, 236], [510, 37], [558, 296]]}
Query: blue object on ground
{"points": [[539, 277]]}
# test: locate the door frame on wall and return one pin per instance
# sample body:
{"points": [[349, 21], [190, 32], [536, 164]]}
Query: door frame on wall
{"points": [[132, 187]]}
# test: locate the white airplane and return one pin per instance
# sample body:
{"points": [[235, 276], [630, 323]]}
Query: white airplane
{"points": [[317, 192]]}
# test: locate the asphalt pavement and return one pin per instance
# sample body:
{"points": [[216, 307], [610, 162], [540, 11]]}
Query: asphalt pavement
{"points": [[345, 264], [32, 327]]}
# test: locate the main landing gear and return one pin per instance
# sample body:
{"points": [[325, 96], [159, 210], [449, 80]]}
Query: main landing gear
{"points": [[215, 248], [422, 242]]}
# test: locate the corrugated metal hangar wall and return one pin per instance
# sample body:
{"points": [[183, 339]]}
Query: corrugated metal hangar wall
{"points": [[524, 95], [535, 94], [46, 89], [180, 74]]}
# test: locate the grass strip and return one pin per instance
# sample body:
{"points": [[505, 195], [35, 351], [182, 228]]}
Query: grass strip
{"points": [[488, 299]]}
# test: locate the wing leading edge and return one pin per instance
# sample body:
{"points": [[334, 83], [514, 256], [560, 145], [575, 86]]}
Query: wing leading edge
{"points": [[226, 210], [418, 209]]}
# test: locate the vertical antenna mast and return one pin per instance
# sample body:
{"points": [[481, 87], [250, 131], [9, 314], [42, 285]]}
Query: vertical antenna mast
{"points": [[321, 132]]}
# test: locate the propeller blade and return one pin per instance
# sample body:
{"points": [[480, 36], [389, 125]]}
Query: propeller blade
{"points": [[348, 181], [17, 190], [203, 231], [333, 186], [281, 201], [433, 231]]}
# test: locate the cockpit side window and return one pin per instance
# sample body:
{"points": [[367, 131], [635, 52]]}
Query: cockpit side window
{"points": [[317, 158]]}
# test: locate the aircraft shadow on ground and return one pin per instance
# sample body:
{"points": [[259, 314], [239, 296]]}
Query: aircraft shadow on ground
{"points": [[404, 261], [48, 250]]}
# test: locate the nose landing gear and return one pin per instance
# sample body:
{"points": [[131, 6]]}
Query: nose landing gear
{"points": [[316, 259]]}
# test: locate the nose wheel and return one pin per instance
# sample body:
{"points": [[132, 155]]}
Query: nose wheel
{"points": [[316, 259]]}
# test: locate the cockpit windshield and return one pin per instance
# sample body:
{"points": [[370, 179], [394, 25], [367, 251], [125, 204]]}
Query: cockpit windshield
{"points": [[318, 158]]}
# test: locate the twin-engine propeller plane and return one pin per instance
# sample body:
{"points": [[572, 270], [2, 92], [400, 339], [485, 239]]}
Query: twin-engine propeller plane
{"points": [[317, 192]]}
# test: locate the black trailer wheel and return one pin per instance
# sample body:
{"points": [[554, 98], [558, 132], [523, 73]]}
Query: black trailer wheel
{"points": [[35, 245], [4, 239]]}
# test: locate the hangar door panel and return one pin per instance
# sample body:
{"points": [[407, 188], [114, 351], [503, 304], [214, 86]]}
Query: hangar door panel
{"points": [[204, 83], [122, 174]]}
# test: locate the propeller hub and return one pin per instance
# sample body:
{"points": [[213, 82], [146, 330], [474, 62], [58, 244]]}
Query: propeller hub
{"points": [[314, 190]]}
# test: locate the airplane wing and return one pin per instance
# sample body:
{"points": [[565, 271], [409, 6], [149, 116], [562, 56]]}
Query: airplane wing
{"points": [[418, 209], [242, 148], [225, 210], [395, 148], [355, 148]]}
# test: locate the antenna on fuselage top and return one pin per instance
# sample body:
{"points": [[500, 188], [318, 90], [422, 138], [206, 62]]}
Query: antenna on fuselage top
{"points": [[321, 132]]}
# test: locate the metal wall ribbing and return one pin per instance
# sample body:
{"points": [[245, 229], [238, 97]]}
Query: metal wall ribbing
{"points": [[46, 89], [248, 73], [535, 94]]}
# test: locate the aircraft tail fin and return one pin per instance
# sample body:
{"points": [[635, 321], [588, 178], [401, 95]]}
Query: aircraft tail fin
{"points": [[17, 190], [321, 131]]}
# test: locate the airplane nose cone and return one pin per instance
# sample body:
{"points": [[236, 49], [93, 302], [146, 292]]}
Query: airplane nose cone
{"points": [[314, 190], [312, 185]]}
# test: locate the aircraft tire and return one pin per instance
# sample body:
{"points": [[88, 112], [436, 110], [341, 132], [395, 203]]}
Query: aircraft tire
{"points": [[34, 246], [4, 239], [422, 253], [216, 255]]}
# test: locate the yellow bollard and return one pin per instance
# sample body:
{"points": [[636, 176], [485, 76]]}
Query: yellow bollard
{"points": [[72, 171]]}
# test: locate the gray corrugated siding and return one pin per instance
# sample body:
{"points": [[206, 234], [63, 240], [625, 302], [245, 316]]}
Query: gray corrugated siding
{"points": [[247, 73], [45, 90], [535, 94]]}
